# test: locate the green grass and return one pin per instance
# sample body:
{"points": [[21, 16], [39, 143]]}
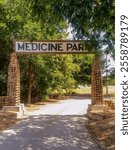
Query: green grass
{"points": [[87, 90], [83, 90]]}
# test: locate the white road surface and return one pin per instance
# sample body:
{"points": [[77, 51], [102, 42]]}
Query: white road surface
{"points": [[65, 107], [60, 126]]}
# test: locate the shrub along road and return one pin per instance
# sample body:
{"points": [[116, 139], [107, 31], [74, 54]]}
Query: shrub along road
{"points": [[59, 126]]}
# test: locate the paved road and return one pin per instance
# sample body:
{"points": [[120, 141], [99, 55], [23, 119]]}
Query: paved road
{"points": [[58, 126]]}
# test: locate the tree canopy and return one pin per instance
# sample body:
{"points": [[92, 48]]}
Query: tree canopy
{"points": [[40, 75], [92, 20]]}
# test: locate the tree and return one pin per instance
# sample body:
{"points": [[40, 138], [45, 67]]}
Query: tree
{"points": [[92, 20], [83, 76], [43, 19], [40, 75], [108, 71], [4, 48]]}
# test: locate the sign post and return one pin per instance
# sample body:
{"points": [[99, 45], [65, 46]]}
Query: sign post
{"points": [[59, 46]]}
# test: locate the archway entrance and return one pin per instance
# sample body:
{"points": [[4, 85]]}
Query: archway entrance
{"points": [[49, 47]]}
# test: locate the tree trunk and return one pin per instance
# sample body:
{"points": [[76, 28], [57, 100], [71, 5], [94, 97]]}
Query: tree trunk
{"points": [[106, 81], [29, 83]]}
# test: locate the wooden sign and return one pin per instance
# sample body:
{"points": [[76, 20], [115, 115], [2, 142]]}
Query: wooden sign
{"points": [[50, 47]]}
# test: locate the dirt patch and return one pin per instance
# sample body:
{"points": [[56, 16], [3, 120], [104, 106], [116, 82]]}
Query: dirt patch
{"points": [[7, 119], [102, 128]]}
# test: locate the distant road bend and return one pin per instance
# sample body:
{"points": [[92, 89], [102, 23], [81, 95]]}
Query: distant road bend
{"points": [[58, 126]]}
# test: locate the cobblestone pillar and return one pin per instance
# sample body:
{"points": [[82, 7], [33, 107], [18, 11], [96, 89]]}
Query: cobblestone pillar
{"points": [[96, 82], [13, 85]]}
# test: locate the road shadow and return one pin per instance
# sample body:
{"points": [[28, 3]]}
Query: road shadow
{"points": [[48, 132]]}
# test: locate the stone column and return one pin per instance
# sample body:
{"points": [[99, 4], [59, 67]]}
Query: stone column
{"points": [[96, 82], [13, 85]]}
